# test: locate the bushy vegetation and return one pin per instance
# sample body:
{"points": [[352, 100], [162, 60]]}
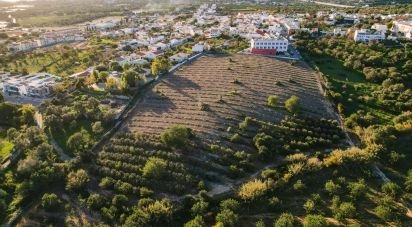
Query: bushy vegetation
{"points": [[75, 120], [370, 80], [63, 61], [36, 168]]}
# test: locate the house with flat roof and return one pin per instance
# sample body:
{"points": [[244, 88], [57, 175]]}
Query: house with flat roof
{"points": [[34, 85], [269, 44], [364, 35], [179, 57]]}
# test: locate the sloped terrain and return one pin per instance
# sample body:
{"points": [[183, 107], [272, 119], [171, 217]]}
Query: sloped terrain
{"points": [[215, 92]]}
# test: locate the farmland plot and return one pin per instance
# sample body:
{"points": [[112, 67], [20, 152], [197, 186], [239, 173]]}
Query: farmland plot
{"points": [[223, 102], [217, 92]]}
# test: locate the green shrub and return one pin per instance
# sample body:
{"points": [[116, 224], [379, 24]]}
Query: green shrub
{"points": [[155, 168], [293, 104], [273, 100], [196, 222], [50, 201], [285, 220], [391, 189], [314, 221], [227, 218], [383, 212], [230, 204], [357, 189], [95, 201], [347, 210], [177, 136], [235, 138], [332, 188], [299, 185], [309, 206]]}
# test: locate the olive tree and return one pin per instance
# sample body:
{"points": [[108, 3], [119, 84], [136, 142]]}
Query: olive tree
{"points": [[293, 104]]}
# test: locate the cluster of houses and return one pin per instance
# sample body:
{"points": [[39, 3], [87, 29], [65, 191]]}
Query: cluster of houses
{"points": [[379, 32], [153, 35], [48, 39], [36, 85], [141, 39], [401, 27]]}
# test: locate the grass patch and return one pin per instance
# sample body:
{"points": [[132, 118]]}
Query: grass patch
{"points": [[62, 61], [5, 149], [62, 136], [351, 84]]}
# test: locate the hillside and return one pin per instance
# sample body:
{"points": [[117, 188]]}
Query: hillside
{"points": [[217, 92], [227, 133]]}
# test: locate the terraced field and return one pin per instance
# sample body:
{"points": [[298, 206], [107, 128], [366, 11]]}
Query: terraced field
{"points": [[223, 99], [217, 92]]}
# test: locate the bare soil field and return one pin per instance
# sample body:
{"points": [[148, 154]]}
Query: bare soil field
{"points": [[229, 88], [223, 98]]}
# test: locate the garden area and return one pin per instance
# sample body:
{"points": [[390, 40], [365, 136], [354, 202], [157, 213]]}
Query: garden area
{"points": [[5, 149], [347, 85], [63, 61], [76, 120], [368, 82]]}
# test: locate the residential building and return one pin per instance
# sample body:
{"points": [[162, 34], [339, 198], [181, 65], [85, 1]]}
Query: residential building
{"points": [[213, 33], [177, 42], [48, 39], [409, 35], [179, 57], [290, 24], [367, 35], [380, 27], [34, 85], [197, 48], [150, 55], [133, 59], [102, 26], [402, 26], [338, 31]]}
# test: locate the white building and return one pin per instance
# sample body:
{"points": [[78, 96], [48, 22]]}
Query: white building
{"points": [[132, 59], [275, 28], [290, 24], [338, 31], [102, 26], [213, 33], [150, 55], [409, 35], [48, 39], [366, 35], [22, 46], [180, 57], [3, 77], [269, 45], [34, 85], [156, 39], [199, 47], [380, 28], [177, 42], [402, 26]]}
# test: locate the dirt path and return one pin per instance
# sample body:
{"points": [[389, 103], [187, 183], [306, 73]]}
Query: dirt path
{"points": [[224, 189]]}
